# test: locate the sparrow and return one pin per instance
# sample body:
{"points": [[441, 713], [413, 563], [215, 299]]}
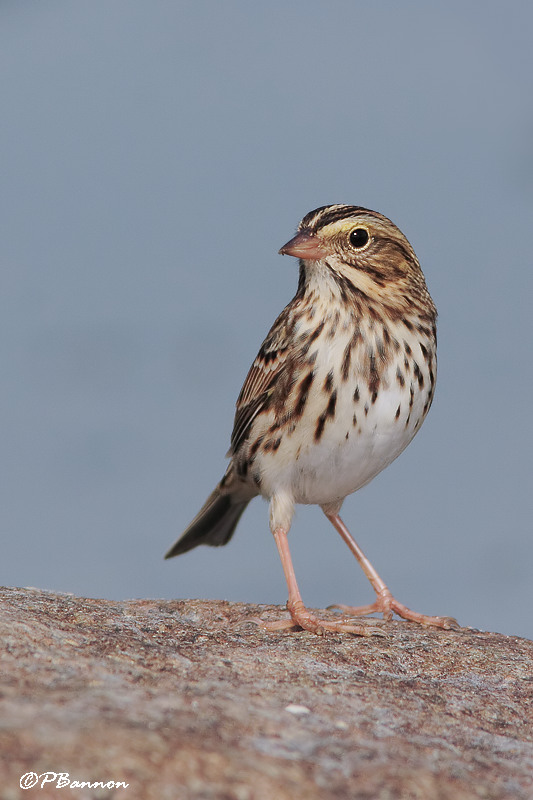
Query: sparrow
{"points": [[341, 384]]}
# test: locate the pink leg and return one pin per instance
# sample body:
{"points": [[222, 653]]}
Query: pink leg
{"points": [[301, 617], [385, 602]]}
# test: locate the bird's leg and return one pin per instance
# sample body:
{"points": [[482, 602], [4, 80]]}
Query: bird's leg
{"points": [[301, 617], [385, 602]]}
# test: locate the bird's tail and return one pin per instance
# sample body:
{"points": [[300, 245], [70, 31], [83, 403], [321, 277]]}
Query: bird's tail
{"points": [[213, 525]]}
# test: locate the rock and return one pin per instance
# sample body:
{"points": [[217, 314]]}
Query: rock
{"points": [[183, 699]]}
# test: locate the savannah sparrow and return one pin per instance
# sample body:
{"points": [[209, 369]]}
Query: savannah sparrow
{"points": [[340, 386]]}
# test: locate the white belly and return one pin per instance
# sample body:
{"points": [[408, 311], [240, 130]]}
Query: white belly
{"points": [[337, 466]]}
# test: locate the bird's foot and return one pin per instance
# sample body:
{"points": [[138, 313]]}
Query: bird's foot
{"points": [[387, 605], [301, 617]]}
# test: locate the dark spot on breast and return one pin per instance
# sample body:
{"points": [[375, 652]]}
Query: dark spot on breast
{"points": [[334, 319], [328, 383], [356, 394], [374, 397], [256, 445], [366, 409], [330, 410], [425, 352], [316, 333], [408, 325], [347, 355], [397, 412], [272, 444], [320, 427], [374, 381], [354, 420], [303, 393], [407, 348], [411, 395], [346, 359], [399, 377], [418, 374]]}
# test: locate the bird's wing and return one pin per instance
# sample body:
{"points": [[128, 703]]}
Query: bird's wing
{"points": [[261, 383]]}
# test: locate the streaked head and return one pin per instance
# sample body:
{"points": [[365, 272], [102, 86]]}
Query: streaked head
{"points": [[360, 247]]}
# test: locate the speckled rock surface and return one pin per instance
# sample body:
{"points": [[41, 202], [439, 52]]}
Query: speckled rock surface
{"points": [[182, 700]]}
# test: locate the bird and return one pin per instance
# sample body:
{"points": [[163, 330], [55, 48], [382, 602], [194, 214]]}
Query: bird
{"points": [[341, 384]]}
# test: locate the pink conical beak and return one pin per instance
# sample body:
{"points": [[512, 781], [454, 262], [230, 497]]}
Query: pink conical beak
{"points": [[304, 245]]}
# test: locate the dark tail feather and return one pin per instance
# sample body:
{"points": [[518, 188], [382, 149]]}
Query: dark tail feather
{"points": [[214, 524]]}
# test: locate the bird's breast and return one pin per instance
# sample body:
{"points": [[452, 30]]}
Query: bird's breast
{"points": [[357, 399]]}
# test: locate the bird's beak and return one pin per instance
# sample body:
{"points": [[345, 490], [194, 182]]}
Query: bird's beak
{"points": [[304, 245]]}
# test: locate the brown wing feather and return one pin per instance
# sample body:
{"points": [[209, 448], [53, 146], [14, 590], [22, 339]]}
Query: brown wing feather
{"points": [[263, 376], [244, 417]]}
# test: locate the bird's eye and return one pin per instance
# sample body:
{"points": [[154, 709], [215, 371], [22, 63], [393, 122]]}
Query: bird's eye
{"points": [[359, 238]]}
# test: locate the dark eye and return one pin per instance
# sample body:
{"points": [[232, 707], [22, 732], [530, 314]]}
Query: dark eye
{"points": [[359, 237]]}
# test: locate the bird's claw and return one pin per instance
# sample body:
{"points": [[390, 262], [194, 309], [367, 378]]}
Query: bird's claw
{"points": [[387, 604], [317, 625]]}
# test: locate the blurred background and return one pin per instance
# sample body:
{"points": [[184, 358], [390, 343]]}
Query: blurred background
{"points": [[154, 157]]}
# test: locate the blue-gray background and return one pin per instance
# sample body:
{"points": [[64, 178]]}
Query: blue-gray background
{"points": [[154, 157]]}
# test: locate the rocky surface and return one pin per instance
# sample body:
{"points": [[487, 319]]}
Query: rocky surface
{"points": [[185, 700]]}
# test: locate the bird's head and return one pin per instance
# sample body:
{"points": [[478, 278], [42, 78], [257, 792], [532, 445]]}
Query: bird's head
{"points": [[361, 249]]}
